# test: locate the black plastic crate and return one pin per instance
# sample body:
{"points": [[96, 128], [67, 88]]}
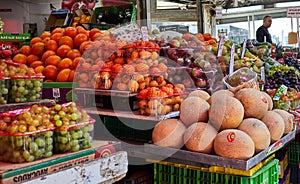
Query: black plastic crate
{"points": [[295, 173], [130, 129]]}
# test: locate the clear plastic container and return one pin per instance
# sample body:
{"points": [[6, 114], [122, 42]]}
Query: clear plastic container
{"points": [[4, 87], [76, 137], [25, 88], [242, 77], [158, 106], [26, 147]]}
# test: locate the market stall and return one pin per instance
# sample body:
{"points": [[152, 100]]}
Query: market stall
{"points": [[193, 107]]}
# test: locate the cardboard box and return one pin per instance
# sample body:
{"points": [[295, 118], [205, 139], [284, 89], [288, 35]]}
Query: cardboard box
{"points": [[58, 18], [19, 173], [82, 17]]}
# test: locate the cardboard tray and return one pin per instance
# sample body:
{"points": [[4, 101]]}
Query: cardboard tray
{"points": [[194, 158]]}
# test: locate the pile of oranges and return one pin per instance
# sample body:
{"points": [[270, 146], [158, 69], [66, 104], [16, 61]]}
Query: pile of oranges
{"points": [[56, 54]]}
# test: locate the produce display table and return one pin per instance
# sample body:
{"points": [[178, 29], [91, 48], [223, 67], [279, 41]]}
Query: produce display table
{"points": [[154, 152], [104, 162]]}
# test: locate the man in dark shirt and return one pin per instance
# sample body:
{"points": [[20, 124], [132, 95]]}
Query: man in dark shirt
{"points": [[262, 33]]}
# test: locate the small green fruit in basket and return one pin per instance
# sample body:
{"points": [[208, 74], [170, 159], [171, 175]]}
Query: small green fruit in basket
{"points": [[57, 107]]}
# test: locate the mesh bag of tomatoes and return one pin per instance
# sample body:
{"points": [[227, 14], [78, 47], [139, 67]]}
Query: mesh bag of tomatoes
{"points": [[26, 135], [4, 86], [158, 101], [74, 138], [25, 88]]}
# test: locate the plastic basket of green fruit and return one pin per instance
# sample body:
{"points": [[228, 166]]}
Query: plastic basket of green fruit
{"points": [[4, 86], [74, 137], [25, 88], [26, 147], [26, 134]]}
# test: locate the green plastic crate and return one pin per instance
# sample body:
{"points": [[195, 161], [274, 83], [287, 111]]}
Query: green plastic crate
{"points": [[293, 149], [170, 174], [128, 128]]}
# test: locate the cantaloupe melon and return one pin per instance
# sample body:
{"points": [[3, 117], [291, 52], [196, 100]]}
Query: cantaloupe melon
{"points": [[169, 133], [275, 124], [200, 93], [258, 132], [225, 112], [234, 143], [220, 93], [288, 120], [269, 99], [199, 137], [193, 109], [255, 104]]}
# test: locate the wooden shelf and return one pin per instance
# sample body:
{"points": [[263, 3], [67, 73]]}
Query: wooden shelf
{"points": [[129, 114], [104, 92], [14, 106]]}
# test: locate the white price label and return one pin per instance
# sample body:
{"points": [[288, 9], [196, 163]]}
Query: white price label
{"points": [[231, 59], [244, 48], [221, 45]]}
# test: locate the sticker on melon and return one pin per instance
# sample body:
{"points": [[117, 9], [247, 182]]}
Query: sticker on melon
{"points": [[231, 137]]}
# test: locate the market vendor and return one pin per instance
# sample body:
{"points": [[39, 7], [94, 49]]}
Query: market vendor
{"points": [[262, 33]]}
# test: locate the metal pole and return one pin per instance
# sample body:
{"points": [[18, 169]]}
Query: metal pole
{"points": [[254, 30], [200, 16], [249, 25]]}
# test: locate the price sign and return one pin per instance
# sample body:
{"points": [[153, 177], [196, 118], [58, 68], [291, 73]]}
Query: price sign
{"points": [[293, 12], [231, 59], [221, 45], [244, 48]]}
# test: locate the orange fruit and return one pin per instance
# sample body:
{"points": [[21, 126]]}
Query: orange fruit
{"points": [[71, 76], [64, 64], [47, 54], [74, 53], [20, 58], [25, 49], [95, 36], [71, 32], [58, 30], [76, 61], [35, 40], [80, 38], [32, 58], [63, 50], [84, 46], [52, 60], [207, 36], [45, 40], [93, 32], [38, 49], [80, 29], [51, 45], [36, 64], [56, 36], [39, 69], [45, 34], [50, 72], [63, 76], [66, 40]]}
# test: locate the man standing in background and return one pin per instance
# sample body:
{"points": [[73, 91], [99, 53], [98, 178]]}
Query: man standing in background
{"points": [[262, 33]]}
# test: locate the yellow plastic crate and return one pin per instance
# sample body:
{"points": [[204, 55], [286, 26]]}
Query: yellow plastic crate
{"points": [[282, 165], [224, 170], [219, 169]]}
